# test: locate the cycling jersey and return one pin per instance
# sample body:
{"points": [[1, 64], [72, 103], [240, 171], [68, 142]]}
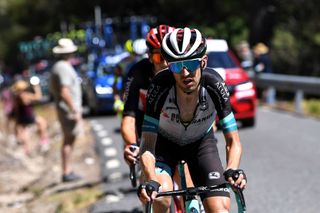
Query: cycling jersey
{"points": [[162, 115], [135, 90]]}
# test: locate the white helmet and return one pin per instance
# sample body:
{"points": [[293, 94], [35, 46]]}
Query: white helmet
{"points": [[139, 46], [183, 44]]}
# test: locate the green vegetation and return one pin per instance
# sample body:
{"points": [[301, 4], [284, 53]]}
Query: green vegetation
{"points": [[312, 107], [291, 30]]}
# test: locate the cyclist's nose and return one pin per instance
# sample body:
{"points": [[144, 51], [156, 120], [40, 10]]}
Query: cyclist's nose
{"points": [[185, 71]]}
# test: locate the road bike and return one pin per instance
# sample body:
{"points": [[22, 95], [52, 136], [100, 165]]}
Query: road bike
{"points": [[189, 194]]}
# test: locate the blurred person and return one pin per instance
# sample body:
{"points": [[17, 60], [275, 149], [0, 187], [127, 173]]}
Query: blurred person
{"points": [[262, 62], [66, 90], [137, 51], [246, 56], [7, 103], [24, 115], [136, 85]]}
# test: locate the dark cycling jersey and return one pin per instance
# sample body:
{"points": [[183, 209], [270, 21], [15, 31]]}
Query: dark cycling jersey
{"points": [[162, 115], [135, 90], [193, 142]]}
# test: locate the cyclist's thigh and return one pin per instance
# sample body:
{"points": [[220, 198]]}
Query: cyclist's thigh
{"points": [[206, 168]]}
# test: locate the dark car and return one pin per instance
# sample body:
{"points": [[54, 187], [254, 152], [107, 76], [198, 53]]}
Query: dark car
{"points": [[242, 90]]}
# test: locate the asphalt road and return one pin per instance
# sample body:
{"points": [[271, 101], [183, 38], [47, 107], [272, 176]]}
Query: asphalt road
{"points": [[280, 156]]}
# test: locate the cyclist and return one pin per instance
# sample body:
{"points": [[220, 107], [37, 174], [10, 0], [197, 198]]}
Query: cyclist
{"points": [[135, 89], [182, 104]]}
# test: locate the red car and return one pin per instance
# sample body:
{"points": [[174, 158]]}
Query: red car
{"points": [[242, 90]]}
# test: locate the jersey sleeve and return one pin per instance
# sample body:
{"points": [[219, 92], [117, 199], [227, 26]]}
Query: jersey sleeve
{"points": [[131, 93], [220, 95], [156, 96]]}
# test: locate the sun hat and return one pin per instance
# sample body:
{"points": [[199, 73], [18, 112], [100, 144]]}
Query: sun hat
{"points": [[19, 86], [65, 46], [260, 48]]}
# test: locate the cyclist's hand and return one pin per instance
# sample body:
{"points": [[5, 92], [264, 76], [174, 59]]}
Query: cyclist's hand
{"points": [[236, 177], [148, 191], [130, 154]]}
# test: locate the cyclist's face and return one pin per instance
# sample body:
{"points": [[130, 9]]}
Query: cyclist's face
{"points": [[188, 81]]}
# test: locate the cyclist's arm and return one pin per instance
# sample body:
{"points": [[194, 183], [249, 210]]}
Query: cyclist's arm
{"points": [[220, 95], [147, 155], [157, 94], [128, 130], [131, 102], [233, 149]]}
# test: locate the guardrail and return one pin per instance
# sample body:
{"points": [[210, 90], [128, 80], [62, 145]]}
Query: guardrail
{"points": [[300, 85]]}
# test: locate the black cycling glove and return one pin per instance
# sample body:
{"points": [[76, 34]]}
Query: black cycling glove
{"points": [[149, 186], [234, 174]]}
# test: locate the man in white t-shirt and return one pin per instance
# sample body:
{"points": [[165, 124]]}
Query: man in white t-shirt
{"points": [[66, 90]]}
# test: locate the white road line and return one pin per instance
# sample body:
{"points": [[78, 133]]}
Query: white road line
{"points": [[102, 133], [93, 122], [115, 176], [110, 152], [113, 198], [97, 127], [106, 141], [112, 164]]}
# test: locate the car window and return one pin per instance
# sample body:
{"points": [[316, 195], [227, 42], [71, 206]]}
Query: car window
{"points": [[220, 60]]}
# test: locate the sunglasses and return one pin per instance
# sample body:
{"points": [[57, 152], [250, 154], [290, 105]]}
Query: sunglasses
{"points": [[157, 58], [190, 65]]}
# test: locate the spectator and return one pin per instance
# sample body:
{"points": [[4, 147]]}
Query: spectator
{"points": [[245, 55], [24, 115], [262, 63], [66, 89], [6, 97]]}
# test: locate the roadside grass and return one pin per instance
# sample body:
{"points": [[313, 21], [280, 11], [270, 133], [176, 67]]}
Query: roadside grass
{"points": [[75, 200], [311, 107]]}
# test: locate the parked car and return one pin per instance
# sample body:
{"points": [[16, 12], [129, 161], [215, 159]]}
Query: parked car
{"points": [[242, 90]]}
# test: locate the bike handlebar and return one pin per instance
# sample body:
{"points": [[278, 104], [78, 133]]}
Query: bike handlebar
{"points": [[190, 191], [204, 189]]}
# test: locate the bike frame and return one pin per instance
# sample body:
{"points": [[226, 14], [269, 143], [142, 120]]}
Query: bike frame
{"points": [[187, 206]]}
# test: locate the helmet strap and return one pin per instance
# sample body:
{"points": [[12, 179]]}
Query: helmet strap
{"points": [[202, 96]]}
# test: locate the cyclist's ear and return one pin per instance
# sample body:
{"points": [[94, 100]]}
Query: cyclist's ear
{"points": [[204, 61]]}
